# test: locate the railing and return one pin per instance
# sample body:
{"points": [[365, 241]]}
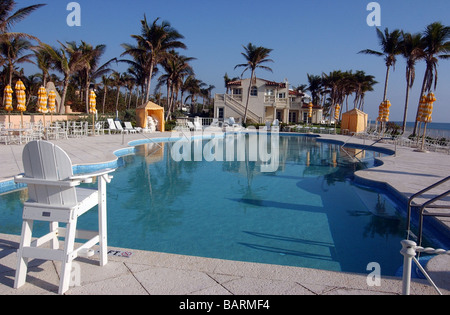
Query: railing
{"points": [[409, 250], [426, 205], [240, 109]]}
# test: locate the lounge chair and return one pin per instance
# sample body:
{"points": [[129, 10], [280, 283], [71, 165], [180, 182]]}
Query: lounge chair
{"points": [[112, 126], [129, 127], [275, 126], [120, 128], [54, 197], [197, 126]]}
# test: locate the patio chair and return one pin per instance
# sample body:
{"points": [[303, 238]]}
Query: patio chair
{"points": [[120, 128], [54, 197], [112, 126], [198, 126], [130, 128], [193, 127]]}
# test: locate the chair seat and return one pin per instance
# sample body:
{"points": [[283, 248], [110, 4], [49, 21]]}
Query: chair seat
{"points": [[87, 198]]}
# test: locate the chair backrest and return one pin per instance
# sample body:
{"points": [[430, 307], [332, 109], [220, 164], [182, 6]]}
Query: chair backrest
{"points": [[128, 125], [231, 121], [118, 124], [111, 124], [44, 160], [276, 122]]}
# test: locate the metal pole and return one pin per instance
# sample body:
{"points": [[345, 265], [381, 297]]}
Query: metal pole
{"points": [[408, 251]]}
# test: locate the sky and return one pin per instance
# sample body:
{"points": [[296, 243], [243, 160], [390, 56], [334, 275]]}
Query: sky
{"points": [[307, 37]]}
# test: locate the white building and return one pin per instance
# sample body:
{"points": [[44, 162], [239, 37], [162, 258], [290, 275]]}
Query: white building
{"points": [[268, 101]]}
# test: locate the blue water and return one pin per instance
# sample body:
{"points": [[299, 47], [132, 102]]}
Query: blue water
{"points": [[308, 213]]}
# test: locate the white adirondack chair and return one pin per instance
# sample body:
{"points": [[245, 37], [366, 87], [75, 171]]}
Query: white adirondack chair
{"points": [[54, 197]]}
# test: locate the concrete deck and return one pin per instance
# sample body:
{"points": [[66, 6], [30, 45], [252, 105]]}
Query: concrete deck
{"points": [[159, 273]]}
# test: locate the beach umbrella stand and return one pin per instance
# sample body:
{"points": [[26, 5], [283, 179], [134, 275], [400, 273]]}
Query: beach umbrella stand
{"points": [[425, 112], [21, 100], [51, 104], [42, 106], [92, 109], [7, 97]]}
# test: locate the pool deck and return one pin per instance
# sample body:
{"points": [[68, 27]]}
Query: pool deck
{"points": [[167, 274]]}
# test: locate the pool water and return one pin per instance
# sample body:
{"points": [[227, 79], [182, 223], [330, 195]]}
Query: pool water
{"points": [[307, 213]]}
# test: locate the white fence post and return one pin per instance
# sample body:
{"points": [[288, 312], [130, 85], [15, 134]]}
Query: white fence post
{"points": [[408, 251]]}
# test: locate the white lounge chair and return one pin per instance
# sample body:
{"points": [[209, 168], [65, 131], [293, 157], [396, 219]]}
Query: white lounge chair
{"points": [[54, 198], [198, 126], [129, 127], [194, 126], [112, 126], [119, 127]]}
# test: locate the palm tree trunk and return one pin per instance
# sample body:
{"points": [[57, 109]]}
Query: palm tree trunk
{"points": [[248, 96], [408, 84], [147, 97], [105, 89], [386, 83], [62, 108]]}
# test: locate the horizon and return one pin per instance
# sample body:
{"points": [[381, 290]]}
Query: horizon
{"points": [[214, 33]]}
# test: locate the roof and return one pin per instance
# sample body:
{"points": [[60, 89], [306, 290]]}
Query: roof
{"points": [[268, 83], [150, 105]]}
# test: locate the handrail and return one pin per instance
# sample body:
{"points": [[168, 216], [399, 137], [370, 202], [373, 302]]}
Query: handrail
{"points": [[424, 205], [240, 108]]}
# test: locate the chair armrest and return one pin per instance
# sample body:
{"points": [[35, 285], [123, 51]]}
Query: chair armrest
{"points": [[87, 177], [40, 181]]}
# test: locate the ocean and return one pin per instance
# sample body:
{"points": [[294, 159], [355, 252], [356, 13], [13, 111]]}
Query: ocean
{"points": [[434, 129]]}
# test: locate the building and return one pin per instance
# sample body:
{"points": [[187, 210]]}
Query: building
{"points": [[268, 101]]}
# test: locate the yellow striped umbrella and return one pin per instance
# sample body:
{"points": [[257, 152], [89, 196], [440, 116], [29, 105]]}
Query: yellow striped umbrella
{"points": [[7, 96], [92, 103], [310, 107], [51, 104], [422, 105], [92, 109], [42, 100], [427, 111], [337, 112], [387, 104], [21, 99]]}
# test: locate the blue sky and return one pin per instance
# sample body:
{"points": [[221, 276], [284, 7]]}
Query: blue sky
{"points": [[306, 37]]}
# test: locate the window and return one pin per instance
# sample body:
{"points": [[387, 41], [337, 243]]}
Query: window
{"points": [[220, 113], [237, 91], [282, 95], [269, 92], [254, 91], [292, 117]]}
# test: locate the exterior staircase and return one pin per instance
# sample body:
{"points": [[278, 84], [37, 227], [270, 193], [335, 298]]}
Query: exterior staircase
{"points": [[239, 108]]}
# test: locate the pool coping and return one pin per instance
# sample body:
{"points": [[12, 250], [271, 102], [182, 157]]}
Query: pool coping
{"points": [[423, 288]]}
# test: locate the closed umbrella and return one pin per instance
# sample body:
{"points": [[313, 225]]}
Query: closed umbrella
{"points": [[42, 102], [337, 111], [51, 103], [7, 96], [427, 111], [21, 99], [92, 109], [310, 110]]}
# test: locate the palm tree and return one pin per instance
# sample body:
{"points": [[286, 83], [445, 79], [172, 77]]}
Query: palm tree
{"points": [[67, 60], [8, 18], [255, 57], [177, 68], [44, 62], [314, 86], [91, 70], [412, 50], [193, 86], [12, 51], [390, 48], [154, 44], [436, 46]]}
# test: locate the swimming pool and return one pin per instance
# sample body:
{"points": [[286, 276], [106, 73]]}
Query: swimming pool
{"points": [[307, 213]]}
